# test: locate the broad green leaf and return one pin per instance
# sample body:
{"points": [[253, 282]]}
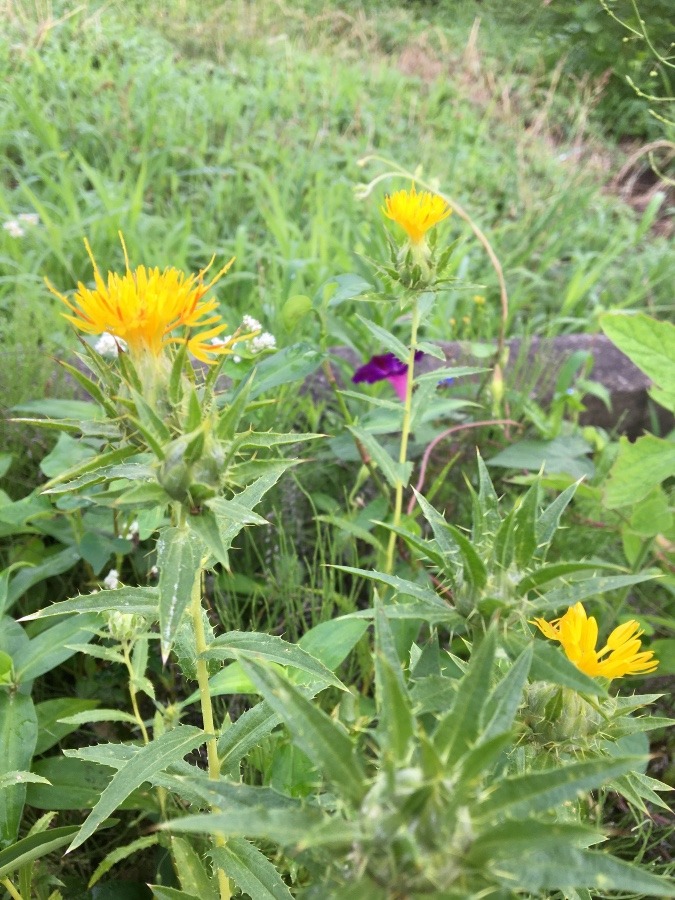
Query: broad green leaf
{"points": [[650, 344], [522, 795], [348, 287], [18, 736], [179, 556], [251, 871], [142, 601], [49, 713], [270, 648], [638, 468], [146, 762], [33, 847], [331, 642], [50, 647], [293, 363], [394, 472], [77, 784], [324, 742], [56, 564], [567, 454]]}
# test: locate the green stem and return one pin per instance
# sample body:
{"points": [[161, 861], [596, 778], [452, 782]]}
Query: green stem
{"points": [[207, 709], [405, 434], [11, 890], [132, 692]]}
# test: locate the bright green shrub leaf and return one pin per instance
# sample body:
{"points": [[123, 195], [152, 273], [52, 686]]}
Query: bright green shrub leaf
{"points": [[650, 344], [324, 742], [293, 363], [146, 762], [664, 651], [638, 468], [18, 736], [549, 519], [250, 870], [50, 647], [567, 454]]}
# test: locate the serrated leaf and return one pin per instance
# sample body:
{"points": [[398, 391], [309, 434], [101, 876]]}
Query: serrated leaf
{"points": [[385, 339], [142, 601], [18, 736], [120, 853], [522, 795], [504, 700], [270, 648], [146, 762], [579, 590], [324, 742], [191, 871], [638, 468], [179, 559], [253, 873]]}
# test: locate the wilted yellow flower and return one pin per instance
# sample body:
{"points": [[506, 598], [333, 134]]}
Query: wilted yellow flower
{"points": [[578, 634], [145, 308], [416, 213]]}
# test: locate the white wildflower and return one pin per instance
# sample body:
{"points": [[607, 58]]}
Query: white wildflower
{"points": [[220, 341], [112, 580], [264, 341], [132, 530], [236, 359], [251, 324], [29, 218], [108, 345], [13, 228], [154, 572]]}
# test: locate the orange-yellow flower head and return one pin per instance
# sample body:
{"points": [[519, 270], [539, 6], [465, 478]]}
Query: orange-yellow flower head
{"points": [[416, 213], [578, 634], [148, 309]]}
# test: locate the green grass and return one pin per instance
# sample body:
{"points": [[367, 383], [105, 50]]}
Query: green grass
{"points": [[238, 130]]}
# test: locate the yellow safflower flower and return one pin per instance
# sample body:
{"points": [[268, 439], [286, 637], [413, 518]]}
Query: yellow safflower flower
{"points": [[145, 308], [415, 213], [578, 634]]}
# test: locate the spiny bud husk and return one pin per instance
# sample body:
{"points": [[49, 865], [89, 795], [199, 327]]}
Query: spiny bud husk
{"points": [[189, 476], [560, 716]]}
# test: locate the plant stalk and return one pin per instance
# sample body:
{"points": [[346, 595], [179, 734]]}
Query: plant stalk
{"points": [[405, 434], [207, 709]]}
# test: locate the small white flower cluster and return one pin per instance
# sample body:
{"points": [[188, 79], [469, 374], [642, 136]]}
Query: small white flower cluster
{"points": [[264, 341], [112, 580], [248, 323], [14, 227], [132, 530], [109, 346]]}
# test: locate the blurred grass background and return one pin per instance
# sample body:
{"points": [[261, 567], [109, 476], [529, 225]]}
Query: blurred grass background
{"points": [[237, 128]]}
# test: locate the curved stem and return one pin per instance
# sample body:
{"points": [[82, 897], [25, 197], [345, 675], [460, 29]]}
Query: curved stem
{"points": [[11, 890], [405, 434]]}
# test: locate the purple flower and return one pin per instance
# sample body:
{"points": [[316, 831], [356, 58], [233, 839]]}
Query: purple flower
{"points": [[386, 366]]}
